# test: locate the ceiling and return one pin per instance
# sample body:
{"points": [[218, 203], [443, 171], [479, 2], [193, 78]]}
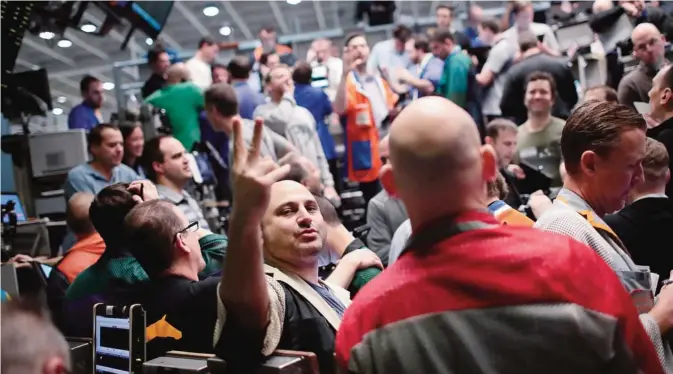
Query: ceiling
{"points": [[186, 24]]}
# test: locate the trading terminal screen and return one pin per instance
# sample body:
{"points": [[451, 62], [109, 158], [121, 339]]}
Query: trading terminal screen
{"points": [[112, 345]]}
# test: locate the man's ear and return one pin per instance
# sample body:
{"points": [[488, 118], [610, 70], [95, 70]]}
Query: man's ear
{"points": [[180, 243], [489, 140], [387, 180], [158, 167], [489, 163], [588, 162]]}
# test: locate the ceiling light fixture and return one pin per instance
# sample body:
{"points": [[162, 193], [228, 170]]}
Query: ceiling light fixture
{"points": [[211, 11], [57, 111], [149, 41], [61, 99], [89, 27], [47, 35], [225, 30], [107, 86], [293, 2], [64, 43]]}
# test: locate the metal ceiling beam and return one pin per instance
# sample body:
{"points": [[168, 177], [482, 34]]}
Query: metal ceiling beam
{"points": [[28, 40], [86, 46], [72, 100], [191, 18], [279, 17], [319, 14], [81, 70], [335, 14], [233, 14], [433, 6]]}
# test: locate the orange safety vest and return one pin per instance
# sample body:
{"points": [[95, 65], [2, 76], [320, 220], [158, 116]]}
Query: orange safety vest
{"points": [[280, 50], [361, 135]]}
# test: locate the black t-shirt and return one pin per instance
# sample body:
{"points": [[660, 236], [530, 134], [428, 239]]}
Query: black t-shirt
{"points": [[181, 314], [153, 83]]}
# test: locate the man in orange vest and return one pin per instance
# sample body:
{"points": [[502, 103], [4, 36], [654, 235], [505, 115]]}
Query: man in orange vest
{"points": [[365, 102]]}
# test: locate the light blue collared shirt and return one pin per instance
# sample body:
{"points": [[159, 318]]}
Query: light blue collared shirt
{"points": [[84, 178]]}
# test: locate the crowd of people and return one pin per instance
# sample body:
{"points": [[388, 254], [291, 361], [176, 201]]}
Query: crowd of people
{"points": [[467, 266]]}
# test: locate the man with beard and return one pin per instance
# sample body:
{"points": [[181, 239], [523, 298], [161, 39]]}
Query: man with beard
{"points": [[87, 115]]}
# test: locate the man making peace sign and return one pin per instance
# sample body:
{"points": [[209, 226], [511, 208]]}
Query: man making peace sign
{"points": [[270, 296]]}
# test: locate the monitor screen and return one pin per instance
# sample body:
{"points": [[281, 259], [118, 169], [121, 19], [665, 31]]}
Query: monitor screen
{"points": [[112, 345], [18, 207], [46, 269]]}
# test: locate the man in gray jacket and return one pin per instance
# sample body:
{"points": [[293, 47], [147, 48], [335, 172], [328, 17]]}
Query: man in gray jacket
{"points": [[282, 115], [385, 214]]}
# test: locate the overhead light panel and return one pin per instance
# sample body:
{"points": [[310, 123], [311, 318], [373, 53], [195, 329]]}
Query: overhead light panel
{"points": [[225, 30], [57, 111], [61, 99], [293, 2], [149, 41], [64, 43], [47, 35], [88, 27], [107, 86], [211, 11]]}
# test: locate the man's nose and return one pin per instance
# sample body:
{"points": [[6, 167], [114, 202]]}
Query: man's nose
{"points": [[304, 219]]}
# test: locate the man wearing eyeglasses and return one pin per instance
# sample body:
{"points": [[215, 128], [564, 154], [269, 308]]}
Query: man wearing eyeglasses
{"points": [[648, 49], [181, 310]]}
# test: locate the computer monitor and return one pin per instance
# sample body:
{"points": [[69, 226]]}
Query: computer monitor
{"points": [[18, 207], [9, 280]]}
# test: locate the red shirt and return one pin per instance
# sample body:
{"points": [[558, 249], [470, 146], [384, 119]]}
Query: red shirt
{"points": [[419, 314]]}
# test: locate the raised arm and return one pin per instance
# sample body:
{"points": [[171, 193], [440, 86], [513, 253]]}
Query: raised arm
{"points": [[340, 100], [243, 290]]}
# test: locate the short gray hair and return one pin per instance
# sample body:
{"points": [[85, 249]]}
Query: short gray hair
{"points": [[29, 338]]}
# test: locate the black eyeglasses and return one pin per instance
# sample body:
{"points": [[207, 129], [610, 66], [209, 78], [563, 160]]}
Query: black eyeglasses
{"points": [[192, 227]]}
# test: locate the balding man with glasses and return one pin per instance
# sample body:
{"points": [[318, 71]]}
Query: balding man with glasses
{"points": [[181, 310]]}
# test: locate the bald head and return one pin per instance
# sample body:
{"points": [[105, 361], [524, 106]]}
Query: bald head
{"points": [[434, 144], [77, 214], [177, 73], [645, 29], [648, 45], [602, 5]]}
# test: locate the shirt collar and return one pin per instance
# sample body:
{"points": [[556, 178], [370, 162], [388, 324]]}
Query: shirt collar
{"points": [[96, 174], [170, 195], [652, 196]]}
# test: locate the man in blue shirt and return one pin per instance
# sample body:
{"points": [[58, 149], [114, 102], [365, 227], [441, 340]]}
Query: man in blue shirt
{"points": [[317, 102], [107, 147], [426, 72], [248, 99], [87, 115]]}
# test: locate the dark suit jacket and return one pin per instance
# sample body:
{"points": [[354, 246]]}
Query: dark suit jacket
{"points": [[664, 134], [645, 228]]}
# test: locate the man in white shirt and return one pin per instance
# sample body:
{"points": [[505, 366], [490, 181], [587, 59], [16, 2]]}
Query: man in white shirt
{"points": [[320, 55], [523, 21], [389, 55], [199, 65]]}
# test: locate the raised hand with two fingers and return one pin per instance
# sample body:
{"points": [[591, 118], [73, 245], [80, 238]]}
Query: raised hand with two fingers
{"points": [[251, 173]]}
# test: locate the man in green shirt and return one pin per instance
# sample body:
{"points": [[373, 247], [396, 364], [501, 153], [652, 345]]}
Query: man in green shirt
{"points": [[539, 138], [454, 83], [183, 102]]}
